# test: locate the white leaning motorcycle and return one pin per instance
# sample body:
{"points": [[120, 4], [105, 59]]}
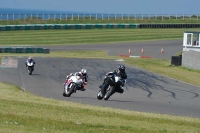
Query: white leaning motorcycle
{"points": [[73, 83], [30, 67]]}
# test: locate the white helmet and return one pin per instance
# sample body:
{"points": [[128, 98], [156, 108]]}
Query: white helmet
{"points": [[30, 59], [84, 71]]}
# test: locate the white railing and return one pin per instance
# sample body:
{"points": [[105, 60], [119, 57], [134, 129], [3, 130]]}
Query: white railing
{"points": [[99, 17]]}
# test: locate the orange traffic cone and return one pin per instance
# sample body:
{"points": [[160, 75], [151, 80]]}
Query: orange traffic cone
{"points": [[142, 51], [129, 51], [161, 51]]}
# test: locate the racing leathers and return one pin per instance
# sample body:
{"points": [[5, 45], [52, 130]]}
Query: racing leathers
{"points": [[123, 77], [29, 61], [84, 77]]}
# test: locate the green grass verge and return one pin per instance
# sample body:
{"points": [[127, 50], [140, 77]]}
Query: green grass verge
{"points": [[67, 54], [163, 67], [24, 112], [85, 36]]}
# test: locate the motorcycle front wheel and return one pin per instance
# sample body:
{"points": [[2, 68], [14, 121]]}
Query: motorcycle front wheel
{"points": [[30, 70], [109, 91], [70, 90], [99, 95]]}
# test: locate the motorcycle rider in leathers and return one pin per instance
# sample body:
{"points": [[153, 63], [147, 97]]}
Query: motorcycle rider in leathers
{"points": [[83, 75], [122, 73], [29, 60]]}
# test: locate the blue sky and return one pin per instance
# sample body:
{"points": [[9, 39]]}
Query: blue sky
{"points": [[109, 6]]}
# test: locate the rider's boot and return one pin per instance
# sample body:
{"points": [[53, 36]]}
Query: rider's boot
{"points": [[121, 89]]}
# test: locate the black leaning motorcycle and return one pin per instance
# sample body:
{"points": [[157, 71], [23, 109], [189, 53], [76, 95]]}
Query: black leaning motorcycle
{"points": [[111, 85]]}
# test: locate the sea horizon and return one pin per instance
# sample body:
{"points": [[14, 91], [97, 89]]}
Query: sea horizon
{"points": [[30, 11]]}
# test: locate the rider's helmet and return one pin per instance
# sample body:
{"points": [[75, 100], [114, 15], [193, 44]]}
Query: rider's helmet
{"points": [[30, 59], [121, 69], [84, 72]]}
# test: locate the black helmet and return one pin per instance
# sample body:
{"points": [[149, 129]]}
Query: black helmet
{"points": [[121, 68]]}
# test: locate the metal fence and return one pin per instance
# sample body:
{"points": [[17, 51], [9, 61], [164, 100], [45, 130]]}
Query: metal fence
{"points": [[7, 17]]}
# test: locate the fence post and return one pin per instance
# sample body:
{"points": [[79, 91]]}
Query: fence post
{"points": [[90, 16], [31, 16], [66, 16], [142, 16], [108, 16], [83, 16], [1, 17], [128, 16], [96, 16], [176, 16], [102, 16], [197, 16], [115, 16], [7, 16], [122, 16], [183, 16], [13, 16], [72, 17]]}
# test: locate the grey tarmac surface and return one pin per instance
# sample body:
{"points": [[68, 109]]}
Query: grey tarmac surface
{"points": [[145, 91], [150, 48]]}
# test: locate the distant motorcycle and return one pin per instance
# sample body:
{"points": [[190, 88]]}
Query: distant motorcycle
{"points": [[30, 67], [72, 84], [113, 83]]}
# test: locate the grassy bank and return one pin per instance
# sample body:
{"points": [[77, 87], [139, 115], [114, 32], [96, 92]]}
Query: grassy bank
{"points": [[23, 112], [85, 36]]}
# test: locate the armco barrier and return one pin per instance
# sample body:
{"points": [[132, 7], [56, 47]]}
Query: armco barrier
{"points": [[64, 26], [24, 50]]}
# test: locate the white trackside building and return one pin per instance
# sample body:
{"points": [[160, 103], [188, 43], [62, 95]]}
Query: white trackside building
{"points": [[191, 50]]}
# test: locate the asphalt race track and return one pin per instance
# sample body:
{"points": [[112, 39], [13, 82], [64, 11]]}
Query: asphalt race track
{"points": [[144, 91]]}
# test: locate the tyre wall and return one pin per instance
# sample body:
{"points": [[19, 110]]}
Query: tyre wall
{"points": [[92, 26], [24, 50]]}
